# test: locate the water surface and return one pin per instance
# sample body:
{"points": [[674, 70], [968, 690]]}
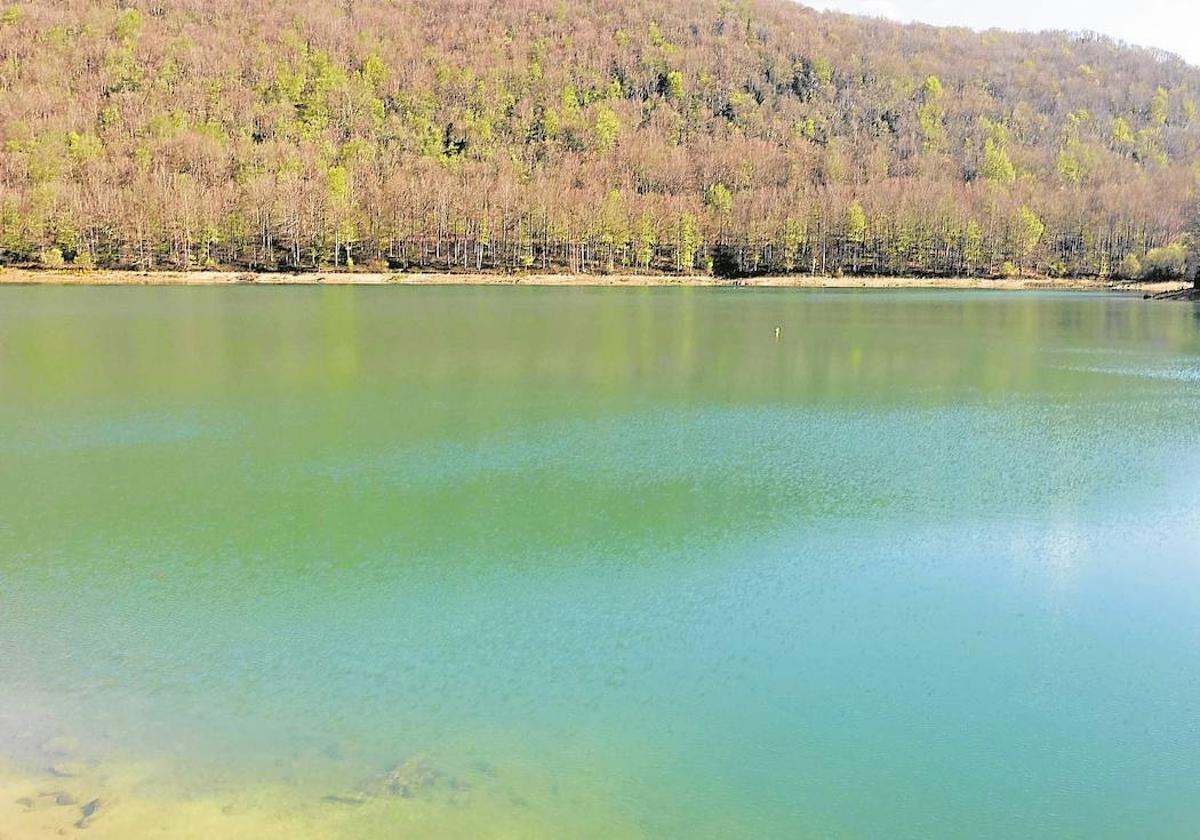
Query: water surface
{"points": [[607, 562]]}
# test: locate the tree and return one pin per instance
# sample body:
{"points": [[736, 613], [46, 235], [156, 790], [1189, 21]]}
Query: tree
{"points": [[997, 166], [1030, 230], [674, 84], [687, 242], [719, 199], [856, 231], [931, 114], [135, 135], [645, 241], [1130, 267], [607, 128]]}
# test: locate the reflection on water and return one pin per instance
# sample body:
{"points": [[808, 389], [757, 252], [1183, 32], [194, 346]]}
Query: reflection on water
{"points": [[343, 562]]}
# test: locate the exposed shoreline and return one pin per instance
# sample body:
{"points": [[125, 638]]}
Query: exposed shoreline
{"points": [[22, 276]]}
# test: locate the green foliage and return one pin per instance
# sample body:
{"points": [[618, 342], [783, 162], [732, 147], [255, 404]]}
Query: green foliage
{"points": [[129, 24], [1076, 162], [1159, 107], [1166, 263], [123, 70], [1149, 148], [337, 186], [687, 242], [933, 132], [656, 36], [719, 199], [83, 147], [997, 166], [525, 256], [673, 84], [644, 234], [108, 117], [793, 237], [821, 70], [375, 72], [11, 16], [1121, 135], [931, 114], [1030, 230], [973, 247], [614, 225], [1130, 267], [52, 258], [550, 124], [607, 128], [856, 224], [569, 100]]}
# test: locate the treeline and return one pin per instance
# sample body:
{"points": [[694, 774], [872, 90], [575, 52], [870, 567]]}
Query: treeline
{"points": [[730, 137]]}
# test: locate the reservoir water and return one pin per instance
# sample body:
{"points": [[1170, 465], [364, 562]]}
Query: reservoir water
{"points": [[598, 563]]}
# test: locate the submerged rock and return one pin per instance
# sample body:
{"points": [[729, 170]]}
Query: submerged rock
{"points": [[351, 799], [404, 780], [67, 769], [1180, 294], [89, 811], [45, 798]]}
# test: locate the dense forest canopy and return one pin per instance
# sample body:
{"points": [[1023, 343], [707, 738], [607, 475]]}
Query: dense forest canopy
{"points": [[734, 136]]}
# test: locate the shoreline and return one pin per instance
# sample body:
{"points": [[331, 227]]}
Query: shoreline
{"points": [[39, 277]]}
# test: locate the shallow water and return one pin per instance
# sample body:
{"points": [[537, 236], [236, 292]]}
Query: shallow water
{"points": [[608, 562]]}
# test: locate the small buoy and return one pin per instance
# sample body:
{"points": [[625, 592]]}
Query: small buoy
{"points": [[777, 331]]}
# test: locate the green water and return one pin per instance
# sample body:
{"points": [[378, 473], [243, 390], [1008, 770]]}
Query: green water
{"points": [[617, 561]]}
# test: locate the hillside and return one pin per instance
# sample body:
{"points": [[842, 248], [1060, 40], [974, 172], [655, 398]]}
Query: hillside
{"points": [[599, 135]]}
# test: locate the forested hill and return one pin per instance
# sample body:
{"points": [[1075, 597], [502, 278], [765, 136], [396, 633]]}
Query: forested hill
{"points": [[583, 135]]}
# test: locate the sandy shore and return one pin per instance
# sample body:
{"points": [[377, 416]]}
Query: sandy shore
{"points": [[218, 278]]}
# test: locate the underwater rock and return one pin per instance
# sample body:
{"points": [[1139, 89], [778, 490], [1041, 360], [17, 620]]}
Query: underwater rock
{"points": [[25, 802], [67, 769], [339, 799], [89, 811], [404, 780], [45, 798]]}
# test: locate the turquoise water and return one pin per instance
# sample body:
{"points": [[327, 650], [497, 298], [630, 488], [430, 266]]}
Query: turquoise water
{"points": [[617, 562]]}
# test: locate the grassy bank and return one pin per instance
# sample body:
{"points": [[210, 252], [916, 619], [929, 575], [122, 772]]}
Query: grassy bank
{"points": [[9, 276]]}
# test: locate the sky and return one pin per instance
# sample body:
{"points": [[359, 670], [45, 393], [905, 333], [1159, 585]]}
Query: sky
{"points": [[1172, 25]]}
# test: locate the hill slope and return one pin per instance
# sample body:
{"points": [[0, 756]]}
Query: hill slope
{"points": [[743, 136]]}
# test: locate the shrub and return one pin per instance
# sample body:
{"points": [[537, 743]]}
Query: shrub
{"points": [[52, 258], [1167, 263], [1130, 268]]}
